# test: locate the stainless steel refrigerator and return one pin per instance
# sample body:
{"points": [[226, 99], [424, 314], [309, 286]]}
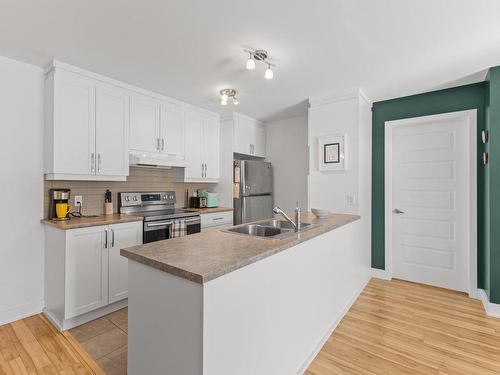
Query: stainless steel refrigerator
{"points": [[253, 195]]}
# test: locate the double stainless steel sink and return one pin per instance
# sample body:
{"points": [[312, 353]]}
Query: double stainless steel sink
{"points": [[272, 229]]}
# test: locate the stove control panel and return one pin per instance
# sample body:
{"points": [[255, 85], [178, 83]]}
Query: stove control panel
{"points": [[146, 198]]}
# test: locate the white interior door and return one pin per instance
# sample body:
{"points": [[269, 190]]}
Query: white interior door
{"points": [[430, 199]]}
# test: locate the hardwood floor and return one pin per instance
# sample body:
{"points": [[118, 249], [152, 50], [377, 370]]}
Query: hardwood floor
{"points": [[34, 346], [398, 327], [395, 327]]}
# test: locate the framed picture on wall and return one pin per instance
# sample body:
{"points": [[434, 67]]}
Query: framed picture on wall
{"points": [[332, 152]]}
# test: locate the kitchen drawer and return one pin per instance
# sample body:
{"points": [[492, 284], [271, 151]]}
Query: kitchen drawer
{"points": [[216, 219]]}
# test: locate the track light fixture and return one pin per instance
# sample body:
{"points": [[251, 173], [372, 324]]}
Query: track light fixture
{"points": [[228, 94], [262, 56]]}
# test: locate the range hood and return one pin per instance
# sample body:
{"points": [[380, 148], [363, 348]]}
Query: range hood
{"points": [[144, 159]]}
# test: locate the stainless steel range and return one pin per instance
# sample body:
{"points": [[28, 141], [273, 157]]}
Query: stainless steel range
{"points": [[159, 212]]}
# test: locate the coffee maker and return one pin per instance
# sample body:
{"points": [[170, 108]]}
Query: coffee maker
{"points": [[59, 204]]}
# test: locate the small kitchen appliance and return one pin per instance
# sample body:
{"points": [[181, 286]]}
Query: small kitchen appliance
{"points": [[212, 200], [161, 218], [197, 202], [59, 204]]}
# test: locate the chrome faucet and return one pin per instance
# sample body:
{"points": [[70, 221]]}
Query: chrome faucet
{"points": [[296, 224]]}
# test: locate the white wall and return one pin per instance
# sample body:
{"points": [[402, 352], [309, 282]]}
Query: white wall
{"points": [[21, 187], [347, 113], [286, 148], [329, 190], [340, 115]]}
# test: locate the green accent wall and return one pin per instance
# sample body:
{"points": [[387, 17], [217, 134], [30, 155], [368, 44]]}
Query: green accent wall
{"points": [[450, 100], [493, 181]]}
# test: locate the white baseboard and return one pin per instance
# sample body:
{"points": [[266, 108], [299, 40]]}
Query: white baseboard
{"points": [[302, 369], [84, 318], [21, 311], [380, 274], [492, 309]]}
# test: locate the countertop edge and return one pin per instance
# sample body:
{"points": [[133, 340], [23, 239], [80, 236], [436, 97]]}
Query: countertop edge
{"points": [[206, 277], [97, 221], [211, 276]]}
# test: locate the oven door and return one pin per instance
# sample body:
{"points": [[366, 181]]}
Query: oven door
{"points": [[193, 225], [156, 230]]}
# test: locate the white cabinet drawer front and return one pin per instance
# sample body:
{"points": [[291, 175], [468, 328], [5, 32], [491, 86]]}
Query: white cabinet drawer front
{"points": [[216, 219]]}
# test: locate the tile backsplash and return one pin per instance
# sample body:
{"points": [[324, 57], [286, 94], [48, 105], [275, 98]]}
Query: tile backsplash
{"points": [[140, 179]]}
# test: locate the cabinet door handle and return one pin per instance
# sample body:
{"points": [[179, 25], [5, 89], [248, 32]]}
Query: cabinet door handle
{"points": [[92, 162], [106, 238], [205, 169], [99, 163], [163, 144], [112, 237], [158, 144]]}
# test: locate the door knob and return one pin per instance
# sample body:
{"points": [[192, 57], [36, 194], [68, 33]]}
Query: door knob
{"points": [[398, 211]]}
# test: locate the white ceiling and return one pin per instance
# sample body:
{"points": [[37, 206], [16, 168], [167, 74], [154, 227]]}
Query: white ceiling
{"points": [[190, 49]]}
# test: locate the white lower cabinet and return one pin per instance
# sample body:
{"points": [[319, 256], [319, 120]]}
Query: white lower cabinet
{"points": [[84, 271], [217, 220], [122, 236]]}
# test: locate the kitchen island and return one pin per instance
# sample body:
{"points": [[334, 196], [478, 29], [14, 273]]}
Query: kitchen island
{"points": [[226, 303]]}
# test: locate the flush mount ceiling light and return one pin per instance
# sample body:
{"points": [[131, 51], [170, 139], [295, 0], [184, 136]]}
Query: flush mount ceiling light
{"points": [[262, 56], [228, 94]]}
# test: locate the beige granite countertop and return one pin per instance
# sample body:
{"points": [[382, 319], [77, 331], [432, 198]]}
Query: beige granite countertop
{"points": [[205, 256], [209, 210], [84, 222]]}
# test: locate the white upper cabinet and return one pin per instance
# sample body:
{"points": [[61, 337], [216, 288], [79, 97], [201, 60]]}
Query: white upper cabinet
{"points": [[249, 136], [72, 124], [157, 128], [259, 139], [202, 149], [95, 127], [112, 120], [86, 128], [172, 129], [194, 151], [210, 141], [144, 123]]}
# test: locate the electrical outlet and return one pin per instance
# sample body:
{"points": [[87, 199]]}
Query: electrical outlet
{"points": [[78, 200]]}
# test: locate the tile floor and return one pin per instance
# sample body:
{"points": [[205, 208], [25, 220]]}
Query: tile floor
{"points": [[105, 339]]}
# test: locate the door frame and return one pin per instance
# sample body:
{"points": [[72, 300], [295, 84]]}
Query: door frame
{"points": [[389, 126]]}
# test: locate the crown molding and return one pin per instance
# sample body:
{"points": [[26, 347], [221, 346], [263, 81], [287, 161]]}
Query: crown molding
{"points": [[338, 96], [56, 64]]}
